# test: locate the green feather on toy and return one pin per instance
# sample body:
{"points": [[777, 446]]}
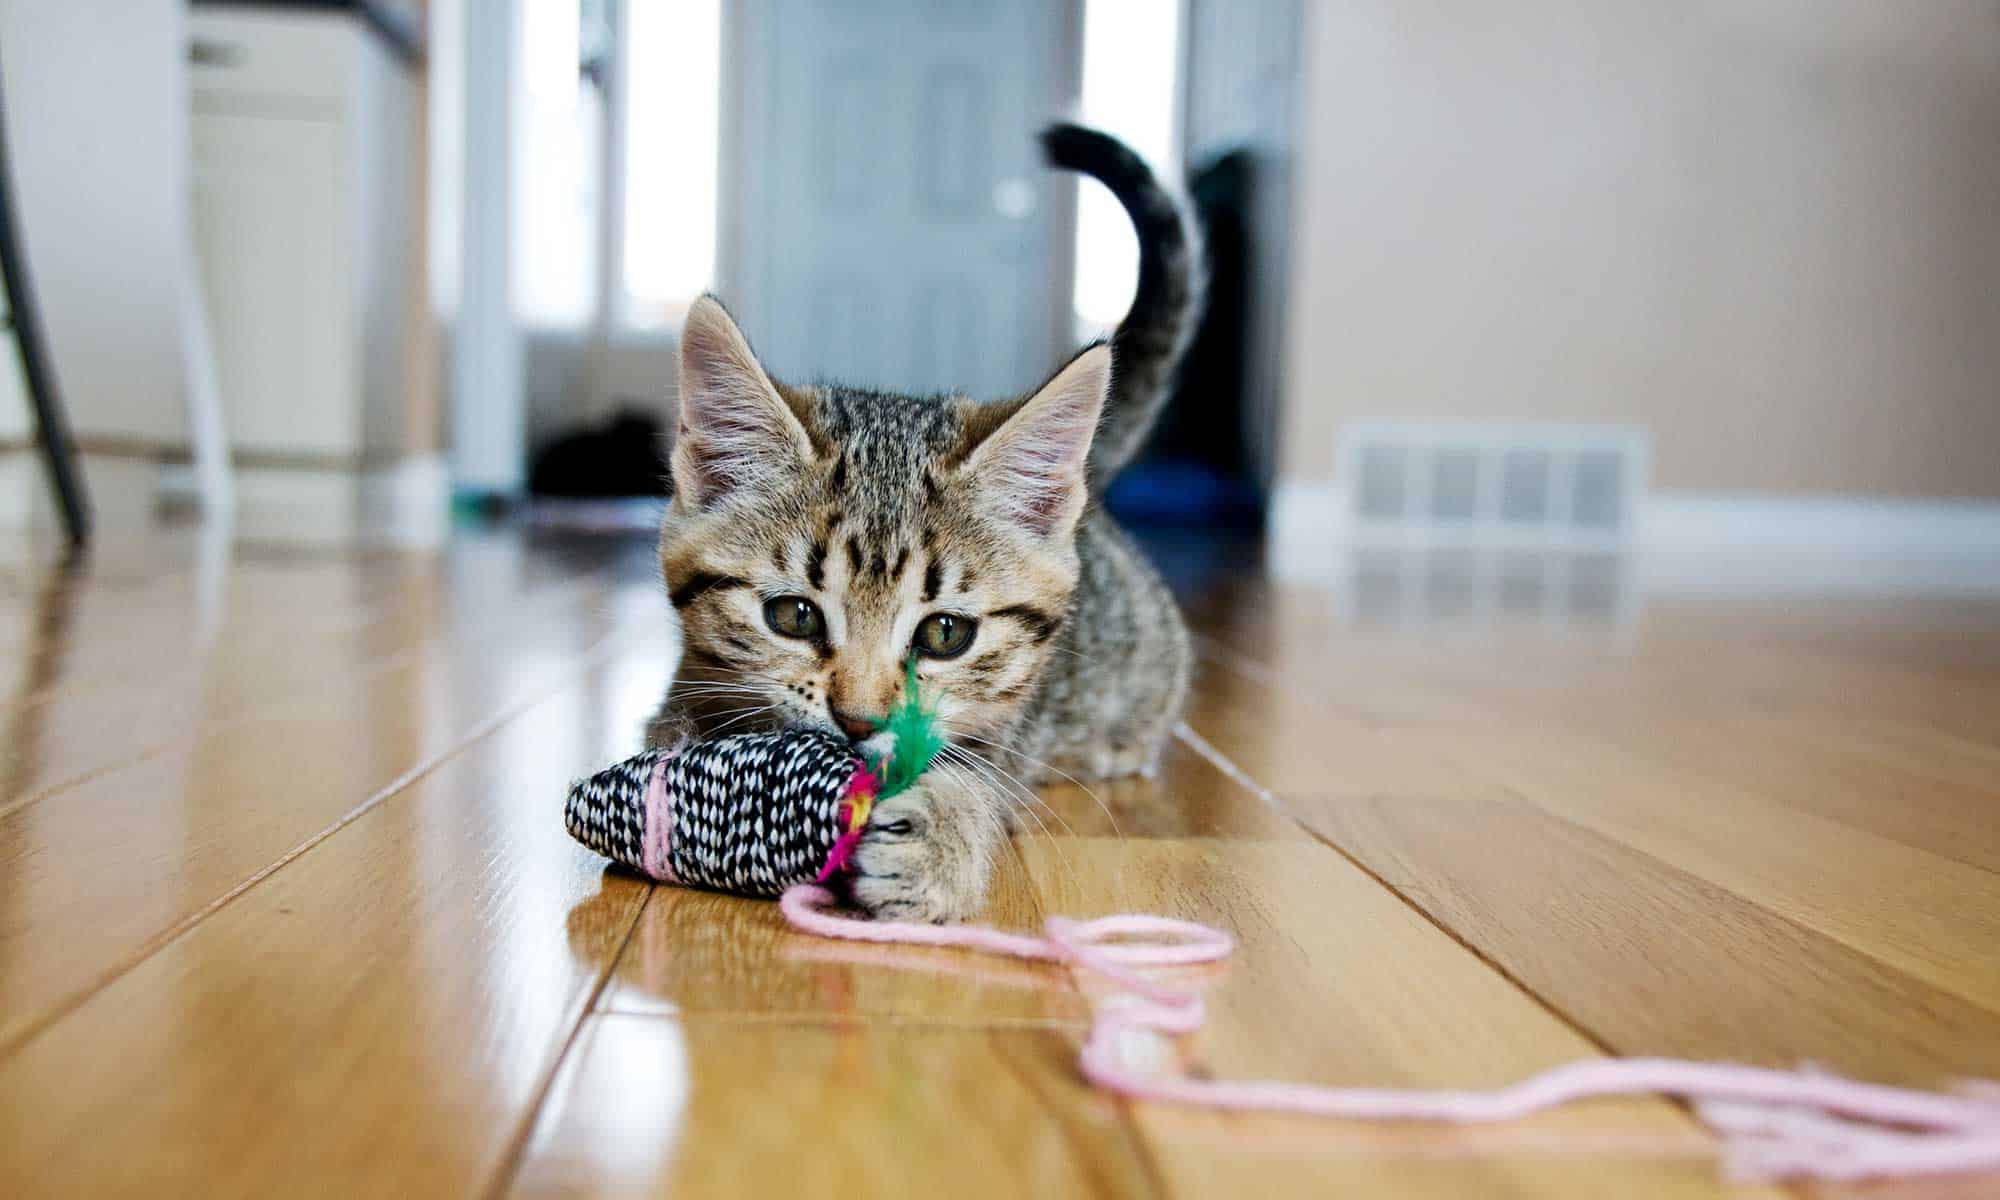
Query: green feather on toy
{"points": [[917, 741], [904, 745]]}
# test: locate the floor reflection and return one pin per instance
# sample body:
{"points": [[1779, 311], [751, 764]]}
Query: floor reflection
{"points": [[1470, 585], [46, 638]]}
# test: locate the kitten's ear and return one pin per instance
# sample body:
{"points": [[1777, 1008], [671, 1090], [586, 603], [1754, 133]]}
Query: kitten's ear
{"points": [[735, 430], [1032, 467]]}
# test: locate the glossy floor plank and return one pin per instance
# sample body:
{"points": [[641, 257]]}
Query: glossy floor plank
{"points": [[1591, 816], [58, 735], [112, 636], [1651, 959], [285, 905], [378, 1018], [1929, 915], [100, 874], [1932, 790]]}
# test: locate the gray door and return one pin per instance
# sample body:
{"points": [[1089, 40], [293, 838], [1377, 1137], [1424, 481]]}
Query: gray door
{"points": [[890, 223]]}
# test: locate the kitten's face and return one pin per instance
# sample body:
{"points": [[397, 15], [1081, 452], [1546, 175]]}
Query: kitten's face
{"points": [[823, 537]]}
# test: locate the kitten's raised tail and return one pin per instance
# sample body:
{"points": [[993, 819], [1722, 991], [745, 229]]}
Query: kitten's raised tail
{"points": [[1155, 332]]}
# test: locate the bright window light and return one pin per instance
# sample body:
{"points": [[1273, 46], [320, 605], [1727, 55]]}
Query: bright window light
{"points": [[550, 32], [673, 107], [1131, 68], [555, 172]]}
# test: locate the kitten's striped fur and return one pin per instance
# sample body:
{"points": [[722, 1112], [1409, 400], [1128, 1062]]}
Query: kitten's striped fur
{"points": [[883, 509]]}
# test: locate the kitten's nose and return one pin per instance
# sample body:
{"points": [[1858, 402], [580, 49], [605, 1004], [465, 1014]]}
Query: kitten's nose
{"points": [[855, 727]]}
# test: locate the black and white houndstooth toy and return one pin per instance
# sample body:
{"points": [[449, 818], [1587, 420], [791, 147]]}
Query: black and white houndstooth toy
{"points": [[751, 813]]}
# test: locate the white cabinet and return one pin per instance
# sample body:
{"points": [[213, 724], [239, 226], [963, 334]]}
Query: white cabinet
{"points": [[304, 223]]}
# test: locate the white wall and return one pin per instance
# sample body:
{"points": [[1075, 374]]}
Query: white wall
{"points": [[97, 125], [1768, 230]]}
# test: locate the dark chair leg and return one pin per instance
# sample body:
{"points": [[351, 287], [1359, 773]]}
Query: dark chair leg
{"points": [[25, 320]]}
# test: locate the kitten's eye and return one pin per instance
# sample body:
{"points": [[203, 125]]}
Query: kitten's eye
{"points": [[794, 617], [944, 635]]}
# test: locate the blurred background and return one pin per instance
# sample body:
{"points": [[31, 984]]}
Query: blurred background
{"points": [[1501, 292]]}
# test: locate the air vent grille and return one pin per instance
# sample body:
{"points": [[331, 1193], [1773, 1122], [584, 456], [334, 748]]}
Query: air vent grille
{"points": [[1556, 485]]}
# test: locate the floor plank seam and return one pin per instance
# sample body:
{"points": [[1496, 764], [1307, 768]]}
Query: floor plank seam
{"points": [[517, 1142], [1235, 772], [1201, 746], [1229, 658], [147, 754], [1801, 927], [188, 924], [77, 688], [1540, 1001], [1249, 668], [1546, 1004], [1252, 669], [1128, 1123], [277, 641]]}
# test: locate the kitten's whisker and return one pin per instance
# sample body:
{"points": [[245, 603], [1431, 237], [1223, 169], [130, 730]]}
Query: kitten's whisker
{"points": [[751, 710], [1031, 794], [973, 783], [702, 670], [705, 701], [746, 715], [973, 763], [715, 689], [983, 770], [744, 679], [963, 767], [744, 708], [1095, 798]]}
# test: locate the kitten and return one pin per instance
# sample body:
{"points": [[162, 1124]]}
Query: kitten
{"points": [[820, 536]]}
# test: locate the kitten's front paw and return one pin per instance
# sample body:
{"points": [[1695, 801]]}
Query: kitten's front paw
{"points": [[920, 860]]}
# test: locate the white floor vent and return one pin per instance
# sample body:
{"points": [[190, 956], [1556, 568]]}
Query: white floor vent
{"points": [[1546, 485]]}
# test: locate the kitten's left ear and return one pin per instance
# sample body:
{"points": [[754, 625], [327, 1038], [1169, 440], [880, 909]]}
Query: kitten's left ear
{"points": [[1032, 467], [736, 432]]}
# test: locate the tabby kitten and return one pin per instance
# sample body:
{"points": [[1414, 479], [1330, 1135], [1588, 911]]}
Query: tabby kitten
{"points": [[820, 537]]}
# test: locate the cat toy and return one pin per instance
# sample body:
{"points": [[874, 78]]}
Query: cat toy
{"points": [[751, 813], [779, 814]]}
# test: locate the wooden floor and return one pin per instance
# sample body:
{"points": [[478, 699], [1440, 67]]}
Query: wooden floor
{"points": [[286, 906]]}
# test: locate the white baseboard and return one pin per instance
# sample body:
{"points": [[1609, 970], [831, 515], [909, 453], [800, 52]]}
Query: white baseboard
{"points": [[1305, 522], [420, 480], [1881, 525], [1708, 541]]}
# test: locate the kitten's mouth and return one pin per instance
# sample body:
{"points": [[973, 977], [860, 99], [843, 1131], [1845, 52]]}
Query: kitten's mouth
{"points": [[774, 721]]}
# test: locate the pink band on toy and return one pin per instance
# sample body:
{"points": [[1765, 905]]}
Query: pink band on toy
{"points": [[659, 837]]}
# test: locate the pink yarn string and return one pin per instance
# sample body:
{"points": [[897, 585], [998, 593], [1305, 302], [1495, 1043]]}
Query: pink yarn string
{"points": [[1802, 1124]]}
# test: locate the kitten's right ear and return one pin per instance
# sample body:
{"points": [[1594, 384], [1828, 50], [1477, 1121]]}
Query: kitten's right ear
{"points": [[736, 432], [1032, 469]]}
